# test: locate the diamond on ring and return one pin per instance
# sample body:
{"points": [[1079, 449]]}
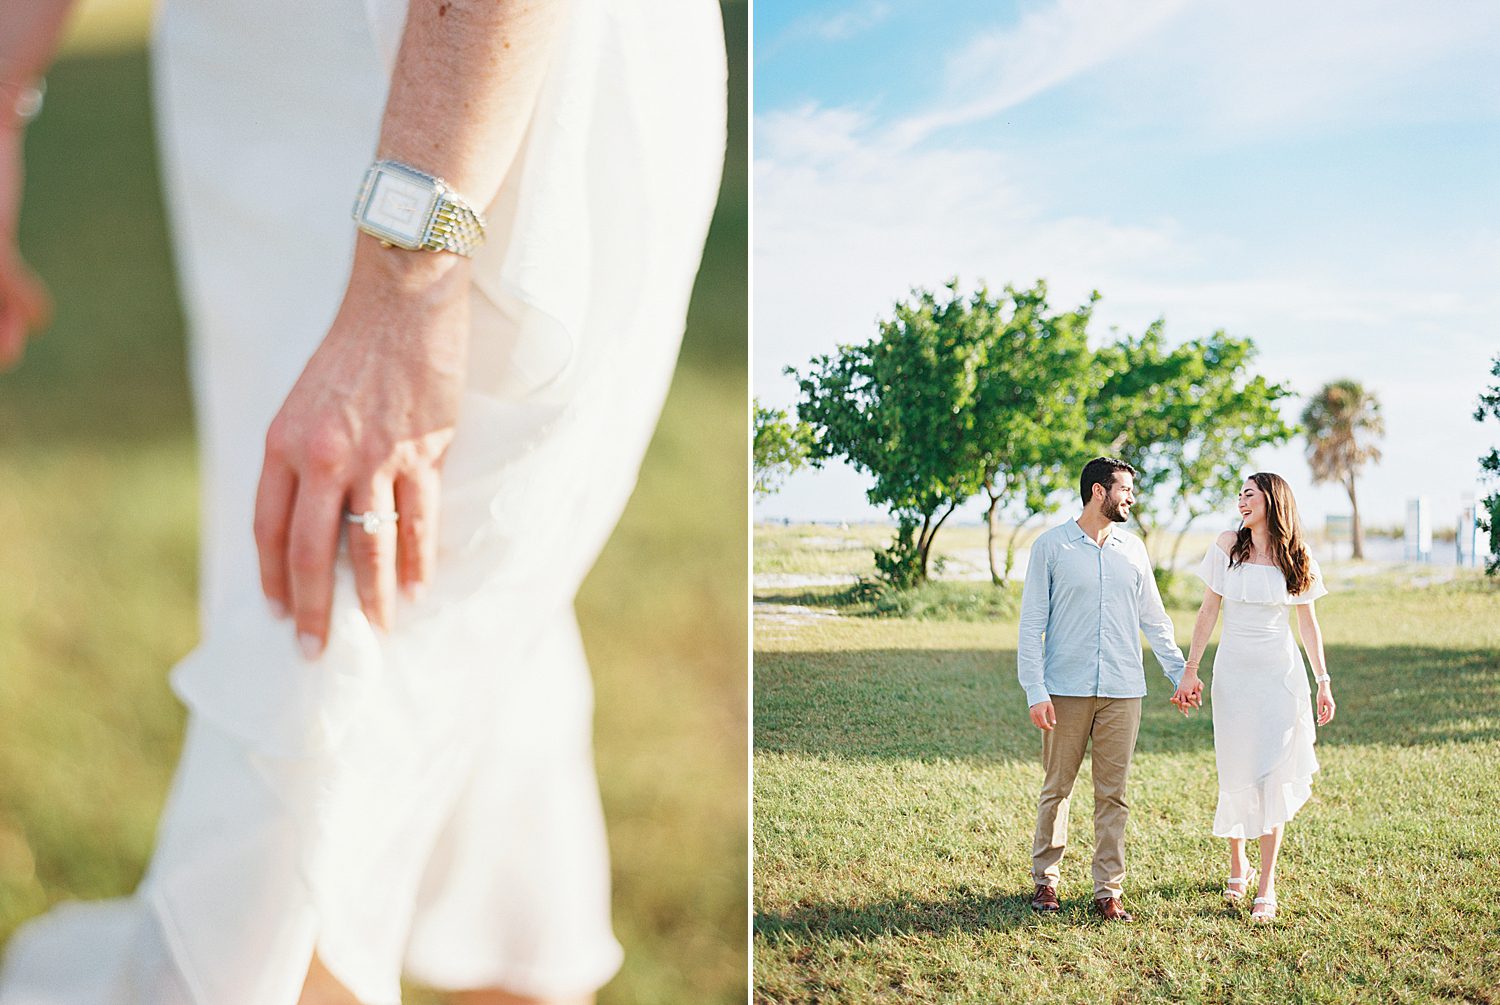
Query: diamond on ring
{"points": [[370, 521]]}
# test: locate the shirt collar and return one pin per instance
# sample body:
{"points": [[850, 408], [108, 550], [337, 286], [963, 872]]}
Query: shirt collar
{"points": [[1078, 534]]}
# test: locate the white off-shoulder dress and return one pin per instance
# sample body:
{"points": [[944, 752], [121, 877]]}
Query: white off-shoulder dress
{"points": [[1264, 729], [422, 802]]}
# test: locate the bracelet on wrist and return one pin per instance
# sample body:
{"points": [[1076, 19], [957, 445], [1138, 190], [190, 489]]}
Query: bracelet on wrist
{"points": [[1322, 678]]}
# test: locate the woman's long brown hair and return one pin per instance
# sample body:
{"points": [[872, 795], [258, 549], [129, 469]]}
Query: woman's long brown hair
{"points": [[1288, 550]]}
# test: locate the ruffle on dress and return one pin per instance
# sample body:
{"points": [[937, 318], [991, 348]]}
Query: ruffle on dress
{"points": [[1260, 808], [1255, 584]]}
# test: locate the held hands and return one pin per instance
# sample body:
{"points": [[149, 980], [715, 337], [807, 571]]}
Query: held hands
{"points": [[365, 428], [1189, 693]]}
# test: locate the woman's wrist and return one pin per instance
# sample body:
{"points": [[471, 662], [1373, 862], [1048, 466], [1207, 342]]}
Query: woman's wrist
{"points": [[421, 278]]}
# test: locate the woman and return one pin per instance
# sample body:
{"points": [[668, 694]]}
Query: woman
{"points": [[1263, 722], [411, 456]]}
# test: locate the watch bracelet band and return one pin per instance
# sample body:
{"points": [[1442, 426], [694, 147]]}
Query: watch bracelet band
{"points": [[456, 227]]}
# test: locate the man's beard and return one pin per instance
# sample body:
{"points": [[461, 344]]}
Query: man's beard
{"points": [[1113, 512]]}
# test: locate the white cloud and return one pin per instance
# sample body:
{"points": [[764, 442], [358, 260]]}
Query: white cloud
{"points": [[848, 22], [831, 26], [1048, 46], [1283, 65]]}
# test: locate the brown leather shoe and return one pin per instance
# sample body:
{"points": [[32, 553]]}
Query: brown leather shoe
{"points": [[1045, 900], [1110, 909]]}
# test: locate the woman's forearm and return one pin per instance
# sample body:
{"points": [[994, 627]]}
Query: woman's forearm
{"points": [[462, 93], [1203, 628], [1312, 641], [465, 83]]}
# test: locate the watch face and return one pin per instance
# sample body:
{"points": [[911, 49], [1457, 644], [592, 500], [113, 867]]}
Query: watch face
{"points": [[400, 206]]}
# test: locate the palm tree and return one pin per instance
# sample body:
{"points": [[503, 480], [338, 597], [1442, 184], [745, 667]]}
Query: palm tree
{"points": [[1340, 421]]}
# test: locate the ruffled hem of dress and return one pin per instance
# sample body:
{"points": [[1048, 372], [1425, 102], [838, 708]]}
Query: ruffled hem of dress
{"points": [[1262, 807]]}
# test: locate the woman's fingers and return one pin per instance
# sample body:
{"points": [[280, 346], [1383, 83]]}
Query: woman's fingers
{"points": [[1325, 710], [417, 499], [372, 548], [24, 307], [273, 518], [312, 543], [12, 335]]}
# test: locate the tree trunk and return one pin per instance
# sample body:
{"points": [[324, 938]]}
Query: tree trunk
{"points": [[922, 548], [929, 534], [992, 518], [1145, 531], [1358, 530], [1010, 545]]}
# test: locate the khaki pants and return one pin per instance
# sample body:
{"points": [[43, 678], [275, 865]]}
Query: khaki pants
{"points": [[1112, 724]]}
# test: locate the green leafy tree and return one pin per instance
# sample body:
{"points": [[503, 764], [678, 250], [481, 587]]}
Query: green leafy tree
{"points": [[1341, 420], [1489, 406], [1188, 419], [780, 447], [900, 409], [1030, 424]]}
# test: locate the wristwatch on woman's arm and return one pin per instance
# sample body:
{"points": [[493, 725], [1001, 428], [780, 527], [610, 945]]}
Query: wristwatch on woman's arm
{"points": [[406, 208]]}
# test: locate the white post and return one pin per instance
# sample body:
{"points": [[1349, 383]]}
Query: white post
{"points": [[1418, 544]]}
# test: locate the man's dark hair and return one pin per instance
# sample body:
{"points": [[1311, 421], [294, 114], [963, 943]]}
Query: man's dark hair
{"points": [[1100, 471]]}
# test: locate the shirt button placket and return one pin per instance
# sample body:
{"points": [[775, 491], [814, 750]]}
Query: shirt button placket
{"points": [[1099, 638]]}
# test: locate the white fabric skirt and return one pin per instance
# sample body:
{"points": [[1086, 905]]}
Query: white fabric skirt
{"points": [[421, 802], [1263, 722], [1264, 729]]}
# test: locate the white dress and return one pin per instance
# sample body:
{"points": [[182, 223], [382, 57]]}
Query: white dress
{"points": [[422, 802], [1264, 729]]}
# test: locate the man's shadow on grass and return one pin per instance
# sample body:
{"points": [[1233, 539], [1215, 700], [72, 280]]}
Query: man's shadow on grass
{"points": [[968, 911], [935, 704], [965, 911]]}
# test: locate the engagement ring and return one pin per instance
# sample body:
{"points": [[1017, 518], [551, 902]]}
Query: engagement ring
{"points": [[370, 520]]}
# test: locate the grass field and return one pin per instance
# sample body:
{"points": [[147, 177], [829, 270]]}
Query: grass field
{"points": [[98, 559], [896, 777]]}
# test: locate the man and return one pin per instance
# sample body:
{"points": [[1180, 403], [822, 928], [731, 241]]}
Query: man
{"points": [[1088, 589]]}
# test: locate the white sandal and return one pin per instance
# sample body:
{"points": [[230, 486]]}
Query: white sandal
{"points": [[1234, 896], [1264, 915]]}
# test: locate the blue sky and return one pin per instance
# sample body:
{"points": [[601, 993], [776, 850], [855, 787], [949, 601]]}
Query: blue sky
{"points": [[1322, 178]]}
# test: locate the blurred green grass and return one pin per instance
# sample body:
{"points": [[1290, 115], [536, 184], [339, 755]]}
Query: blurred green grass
{"points": [[98, 561]]}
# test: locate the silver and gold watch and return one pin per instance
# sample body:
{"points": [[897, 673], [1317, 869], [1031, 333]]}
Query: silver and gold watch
{"points": [[406, 208]]}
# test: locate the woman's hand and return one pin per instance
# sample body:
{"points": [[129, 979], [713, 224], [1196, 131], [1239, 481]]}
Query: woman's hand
{"points": [[25, 307], [1326, 704], [365, 429], [1189, 693]]}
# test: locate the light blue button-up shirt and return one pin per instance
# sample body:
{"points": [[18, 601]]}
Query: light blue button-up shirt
{"points": [[1082, 610]]}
